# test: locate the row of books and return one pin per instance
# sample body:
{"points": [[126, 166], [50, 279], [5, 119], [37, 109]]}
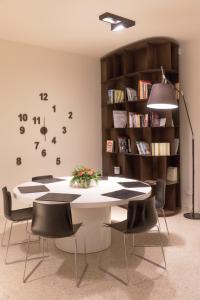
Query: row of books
{"points": [[115, 96], [144, 89], [144, 148], [138, 120], [152, 119], [160, 149], [142, 92]]}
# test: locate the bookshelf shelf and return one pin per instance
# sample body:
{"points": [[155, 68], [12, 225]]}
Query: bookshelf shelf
{"points": [[126, 76]]}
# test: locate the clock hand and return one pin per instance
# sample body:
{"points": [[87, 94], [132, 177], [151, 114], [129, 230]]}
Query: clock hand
{"points": [[45, 131]]}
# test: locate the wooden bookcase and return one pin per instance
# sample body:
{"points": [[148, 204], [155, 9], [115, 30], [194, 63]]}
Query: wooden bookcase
{"points": [[124, 68]]}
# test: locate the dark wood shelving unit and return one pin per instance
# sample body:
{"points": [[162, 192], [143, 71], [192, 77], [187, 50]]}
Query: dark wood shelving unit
{"points": [[124, 68]]}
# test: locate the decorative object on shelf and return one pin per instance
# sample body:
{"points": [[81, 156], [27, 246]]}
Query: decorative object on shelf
{"points": [[116, 170], [83, 176], [117, 22], [110, 146], [164, 96]]}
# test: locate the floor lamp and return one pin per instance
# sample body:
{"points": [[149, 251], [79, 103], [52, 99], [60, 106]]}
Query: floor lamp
{"points": [[162, 96]]}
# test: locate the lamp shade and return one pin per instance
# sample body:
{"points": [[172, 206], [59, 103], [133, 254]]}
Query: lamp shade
{"points": [[162, 96]]}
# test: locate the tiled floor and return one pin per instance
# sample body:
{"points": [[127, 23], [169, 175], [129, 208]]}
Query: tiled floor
{"points": [[54, 278]]}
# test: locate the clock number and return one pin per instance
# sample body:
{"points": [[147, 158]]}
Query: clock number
{"points": [[22, 130], [58, 161], [64, 130], [44, 152], [36, 120], [43, 96], [23, 117], [18, 161], [54, 140], [54, 108], [36, 144], [70, 115]]}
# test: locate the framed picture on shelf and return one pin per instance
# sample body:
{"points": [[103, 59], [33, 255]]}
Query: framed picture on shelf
{"points": [[110, 146]]}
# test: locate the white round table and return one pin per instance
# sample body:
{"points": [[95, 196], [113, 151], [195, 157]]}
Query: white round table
{"points": [[91, 208]]}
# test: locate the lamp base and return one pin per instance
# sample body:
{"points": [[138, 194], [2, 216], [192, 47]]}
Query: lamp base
{"points": [[192, 216]]}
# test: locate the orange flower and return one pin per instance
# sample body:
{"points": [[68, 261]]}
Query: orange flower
{"points": [[90, 172], [80, 173]]}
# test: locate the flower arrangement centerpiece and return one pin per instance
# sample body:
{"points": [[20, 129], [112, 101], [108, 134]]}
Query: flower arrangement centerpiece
{"points": [[83, 176]]}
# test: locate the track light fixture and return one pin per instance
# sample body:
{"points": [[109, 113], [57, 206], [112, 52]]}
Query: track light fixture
{"points": [[117, 22]]}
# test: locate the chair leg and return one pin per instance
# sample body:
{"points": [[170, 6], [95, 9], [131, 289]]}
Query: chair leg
{"points": [[8, 244], [2, 240], [78, 280], [126, 265], [163, 253], [27, 252], [165, 221], [75, 262], [126, 259]]}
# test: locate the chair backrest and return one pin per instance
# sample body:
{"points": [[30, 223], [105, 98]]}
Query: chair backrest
{"points": [[160, 192], [141, 215], [42, 177], [52, 220], [7, 201]]}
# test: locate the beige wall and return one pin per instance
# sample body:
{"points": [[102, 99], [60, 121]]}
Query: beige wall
{"points": [[190, 79], [73, 84]]}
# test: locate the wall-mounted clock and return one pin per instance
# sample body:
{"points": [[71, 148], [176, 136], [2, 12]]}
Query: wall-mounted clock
{"points": [[40, 144]]}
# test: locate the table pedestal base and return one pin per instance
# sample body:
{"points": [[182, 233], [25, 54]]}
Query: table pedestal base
{"points": [[97, 237]]}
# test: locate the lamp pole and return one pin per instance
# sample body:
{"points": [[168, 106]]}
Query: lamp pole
{"points": [[192, 215]]}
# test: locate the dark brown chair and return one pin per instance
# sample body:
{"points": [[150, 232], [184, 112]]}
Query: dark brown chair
{"points": [[15, 216], [54, 221], [141, 217]]}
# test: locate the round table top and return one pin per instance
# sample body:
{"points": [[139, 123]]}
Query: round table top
{"points": [[89, 197]]}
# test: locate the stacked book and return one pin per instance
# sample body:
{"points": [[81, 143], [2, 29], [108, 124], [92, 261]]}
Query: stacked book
{"points": [[160, 149], [115, 96], [143, 148], [144, 88], [131, 94], [138, 120], [120, 118]]}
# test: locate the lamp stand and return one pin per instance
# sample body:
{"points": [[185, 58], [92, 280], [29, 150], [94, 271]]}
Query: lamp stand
{"points": [[192, 215]]}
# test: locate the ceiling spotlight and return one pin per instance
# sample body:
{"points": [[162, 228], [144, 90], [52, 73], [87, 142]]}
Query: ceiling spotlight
{"points": [[117, 22]]}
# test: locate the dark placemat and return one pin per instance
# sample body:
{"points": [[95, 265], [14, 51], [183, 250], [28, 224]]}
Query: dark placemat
{"points": [[133, 184], [33, 189], [57, 197], [49, 180], [123, 194]]}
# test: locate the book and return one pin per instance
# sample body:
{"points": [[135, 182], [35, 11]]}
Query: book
{"points": [[176, 145], [162, 122], [131, 94], [120, 118], [172, 173], [115, 96], [143, 148], [138, 120], [144, 88], [109, 146], [124, 145], [160, 149]]}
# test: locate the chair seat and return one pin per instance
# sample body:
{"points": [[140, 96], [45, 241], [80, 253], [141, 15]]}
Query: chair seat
{"points": [[122, 227], [23, 214], [59, 234]]}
